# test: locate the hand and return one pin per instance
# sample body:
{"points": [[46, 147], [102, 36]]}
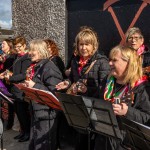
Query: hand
{"points": [[6, 76], [2, 76], [29, 83], [81, 87], [67, 72], [120, 109], [62, 85]]}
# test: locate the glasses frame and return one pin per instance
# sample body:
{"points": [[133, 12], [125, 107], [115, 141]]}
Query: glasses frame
{"points": [[135, 38], [18, 47]]}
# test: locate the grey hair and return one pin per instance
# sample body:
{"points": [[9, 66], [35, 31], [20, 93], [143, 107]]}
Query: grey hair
{"points": [[40, 46], [132, 31]]}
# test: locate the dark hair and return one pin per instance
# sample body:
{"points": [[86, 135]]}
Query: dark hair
{"points": [[19, 39], [10, 43]]}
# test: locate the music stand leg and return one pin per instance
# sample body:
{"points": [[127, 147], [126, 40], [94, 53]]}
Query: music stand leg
{"points": [[89, 138]]}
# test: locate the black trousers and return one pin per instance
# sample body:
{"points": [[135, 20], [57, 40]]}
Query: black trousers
{"points": [[22, 111]]}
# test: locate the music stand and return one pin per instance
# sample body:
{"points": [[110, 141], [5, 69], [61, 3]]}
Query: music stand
{"points": [[40, 96], [138, 135], [90, 114]]}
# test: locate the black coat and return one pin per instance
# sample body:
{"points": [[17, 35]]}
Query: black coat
{"points": [[94, 77], [146, 57], [46, 77], [59, 63], [8, 64], [44, 120], [139, 111], [20, 66]]}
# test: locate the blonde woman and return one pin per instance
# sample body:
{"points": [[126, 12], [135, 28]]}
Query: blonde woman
{"points": [[86, 44], [126, 75], [42, 74]]}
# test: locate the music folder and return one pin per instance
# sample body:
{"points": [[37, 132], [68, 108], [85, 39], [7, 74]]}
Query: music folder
{"points": [[40, 96], [90, 113], [138, 135]]}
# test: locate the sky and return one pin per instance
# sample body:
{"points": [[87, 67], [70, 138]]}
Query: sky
{"points": [[5, 14]]}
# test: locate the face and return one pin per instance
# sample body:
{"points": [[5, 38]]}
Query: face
{"points": [[135, 41], [85, 49], [34, 55], [5, 47], [20, 48], [118, 66], [50, 51]]}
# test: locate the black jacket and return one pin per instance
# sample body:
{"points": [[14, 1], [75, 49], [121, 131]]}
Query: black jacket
{"points": [[94, 77], [8, 64], [139, 111], [20, 66], [146, 57], [46, 77], [59, 63]]}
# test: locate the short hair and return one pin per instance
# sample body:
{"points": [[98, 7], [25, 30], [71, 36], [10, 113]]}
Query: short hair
{"points": [[40, 46], [88, 35], [132, 31], [54, 48], [19, 39], [134, 69]]}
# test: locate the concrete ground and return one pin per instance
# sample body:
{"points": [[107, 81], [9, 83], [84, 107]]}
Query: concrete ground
{"points": [[10, 144]]}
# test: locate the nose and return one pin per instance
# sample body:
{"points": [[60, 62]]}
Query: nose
{"points": [[110, 63], [83, 46]]}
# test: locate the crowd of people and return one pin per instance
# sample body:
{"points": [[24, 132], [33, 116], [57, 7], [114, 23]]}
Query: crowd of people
{"points": [[89, 73]]}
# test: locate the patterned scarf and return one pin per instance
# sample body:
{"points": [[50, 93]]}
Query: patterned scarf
{"points": [[110, 94], [82, 63], [30, 72]]}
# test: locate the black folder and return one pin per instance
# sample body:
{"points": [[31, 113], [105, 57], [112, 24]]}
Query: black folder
{"points": [[90, 113], [138, 135]]}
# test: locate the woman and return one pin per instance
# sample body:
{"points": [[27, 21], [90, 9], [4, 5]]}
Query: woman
{"points": [[135, 39], [54, 55], [44, 75], [88, 69], [126, 75], [18, 75], [6, 61]]}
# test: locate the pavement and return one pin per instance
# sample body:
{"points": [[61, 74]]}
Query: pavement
{"points": [[10, 144]]}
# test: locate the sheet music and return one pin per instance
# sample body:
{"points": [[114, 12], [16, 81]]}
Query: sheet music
{"points": [[48, 92], [40, 96]]}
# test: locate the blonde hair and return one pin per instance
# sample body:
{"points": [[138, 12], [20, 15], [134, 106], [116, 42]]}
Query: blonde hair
{"points": [[134, 68], [40, 46], [88, 35], [132, 31]]}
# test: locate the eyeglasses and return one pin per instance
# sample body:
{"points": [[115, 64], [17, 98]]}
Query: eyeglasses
{"points": [[136, 38], [17, 47]]}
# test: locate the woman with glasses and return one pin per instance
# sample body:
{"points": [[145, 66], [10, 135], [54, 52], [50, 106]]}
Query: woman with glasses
{"points": [[18, 75], [135, 39]]}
